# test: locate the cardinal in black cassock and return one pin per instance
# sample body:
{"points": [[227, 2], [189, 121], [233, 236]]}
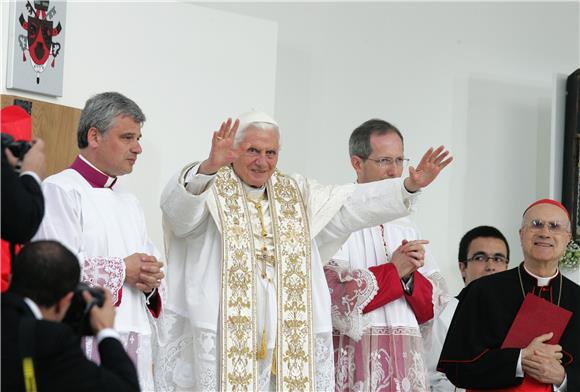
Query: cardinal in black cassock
{"points": [[471, 356]]}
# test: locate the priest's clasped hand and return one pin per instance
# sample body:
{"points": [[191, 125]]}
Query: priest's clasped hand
{"points": [[428, 169], [143, 271], [409, 257]]}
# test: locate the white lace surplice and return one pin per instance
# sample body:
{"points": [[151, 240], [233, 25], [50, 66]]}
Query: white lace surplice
{"points": [[382, 350], [102, 226]]}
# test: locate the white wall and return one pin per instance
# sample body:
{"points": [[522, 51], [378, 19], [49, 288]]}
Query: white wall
{"points": [[476, 77], [188, 67]]}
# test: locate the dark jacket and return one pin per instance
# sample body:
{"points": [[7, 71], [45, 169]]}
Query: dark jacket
{"points": [[59, 363], [22, 213]]}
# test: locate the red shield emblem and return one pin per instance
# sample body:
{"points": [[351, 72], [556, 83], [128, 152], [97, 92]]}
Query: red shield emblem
{"points": [[39, 39]]}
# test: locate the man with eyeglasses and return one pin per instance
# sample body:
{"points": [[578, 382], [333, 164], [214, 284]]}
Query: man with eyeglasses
{"points": [[383, 284], [483, 251], [472, 356], [241, 233]]}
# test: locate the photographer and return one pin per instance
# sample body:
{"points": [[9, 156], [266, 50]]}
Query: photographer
{"points": [[23, 169], [44, 280]]}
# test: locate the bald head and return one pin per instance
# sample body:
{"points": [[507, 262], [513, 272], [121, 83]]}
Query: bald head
{"points": [[550, 212], [544, 235]]}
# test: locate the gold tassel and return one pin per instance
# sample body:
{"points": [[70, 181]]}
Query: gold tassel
{"points": [[261, 355], [274, 361]]}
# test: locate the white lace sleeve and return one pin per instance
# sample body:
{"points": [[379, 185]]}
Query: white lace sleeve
{"points": [[108, 272], [440, 299], [440, 292], [350, 292]]}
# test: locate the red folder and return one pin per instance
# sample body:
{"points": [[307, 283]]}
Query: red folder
{"points": [[536, 317]]}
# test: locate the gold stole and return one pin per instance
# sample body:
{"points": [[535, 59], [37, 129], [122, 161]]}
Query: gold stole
{"points": [[239, 335]]}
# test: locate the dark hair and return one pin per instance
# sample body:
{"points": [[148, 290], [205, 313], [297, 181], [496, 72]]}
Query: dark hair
{"points": [[45, 271], [477, 232], [100, 112], [359, 143]]}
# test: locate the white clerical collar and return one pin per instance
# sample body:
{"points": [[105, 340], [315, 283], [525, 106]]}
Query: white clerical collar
{"points": [[541, 280], [109, 180], [254, 193], [33, 308]]}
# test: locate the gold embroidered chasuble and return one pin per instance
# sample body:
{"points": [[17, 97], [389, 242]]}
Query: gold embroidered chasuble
{"points": [[238, 308]]}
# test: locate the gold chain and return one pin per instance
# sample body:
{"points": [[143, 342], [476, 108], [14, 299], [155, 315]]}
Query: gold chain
{"points": [[263, 253]]}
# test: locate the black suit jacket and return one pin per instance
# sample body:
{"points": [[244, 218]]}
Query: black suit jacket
{"points": [[22, 205], [59, 363]]}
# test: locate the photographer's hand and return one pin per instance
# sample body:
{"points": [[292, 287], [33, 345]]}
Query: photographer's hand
{"points": [[101, 317], [33, 161]]}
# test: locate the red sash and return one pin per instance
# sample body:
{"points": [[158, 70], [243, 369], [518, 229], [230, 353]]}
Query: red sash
{"points": [[529, 385], [6, 264]]}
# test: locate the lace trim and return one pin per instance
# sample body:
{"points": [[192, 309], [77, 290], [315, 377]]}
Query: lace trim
{"points": [[324, 369], [380, 362], [440, 298], [351, 291], [440, 292], [186, 358], [395, 331], [108, 272]]}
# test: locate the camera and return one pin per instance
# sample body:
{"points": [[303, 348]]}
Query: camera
{"points": [[18, 148], [78, 315]]}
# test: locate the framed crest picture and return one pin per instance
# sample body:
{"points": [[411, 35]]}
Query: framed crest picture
{"points": [[36, 46], [571, 166]]}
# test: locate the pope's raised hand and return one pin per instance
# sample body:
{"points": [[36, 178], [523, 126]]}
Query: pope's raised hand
{"points": [[223, 150], [428, 169]]}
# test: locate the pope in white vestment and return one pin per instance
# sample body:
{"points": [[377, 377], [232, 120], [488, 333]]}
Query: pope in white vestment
{"points": [[103, 224], [248, 305]]}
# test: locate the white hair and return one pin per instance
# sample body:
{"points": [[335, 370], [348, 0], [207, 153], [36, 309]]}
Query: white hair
{"points": [[261, 126]]}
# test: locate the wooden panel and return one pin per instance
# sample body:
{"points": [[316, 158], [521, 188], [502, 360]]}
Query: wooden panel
{"points": [[57, 126]]}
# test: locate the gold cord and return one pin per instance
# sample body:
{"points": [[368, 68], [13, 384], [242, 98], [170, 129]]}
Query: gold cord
{"points": [[258, 206], [263, 257]]}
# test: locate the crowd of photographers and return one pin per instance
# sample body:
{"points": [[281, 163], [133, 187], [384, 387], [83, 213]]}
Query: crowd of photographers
{"points": [[45, 308]]}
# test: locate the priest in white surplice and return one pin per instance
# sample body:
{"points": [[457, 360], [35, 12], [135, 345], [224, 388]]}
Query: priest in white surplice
{"points": [[105, 226], [248, 306], [385, 288]]}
